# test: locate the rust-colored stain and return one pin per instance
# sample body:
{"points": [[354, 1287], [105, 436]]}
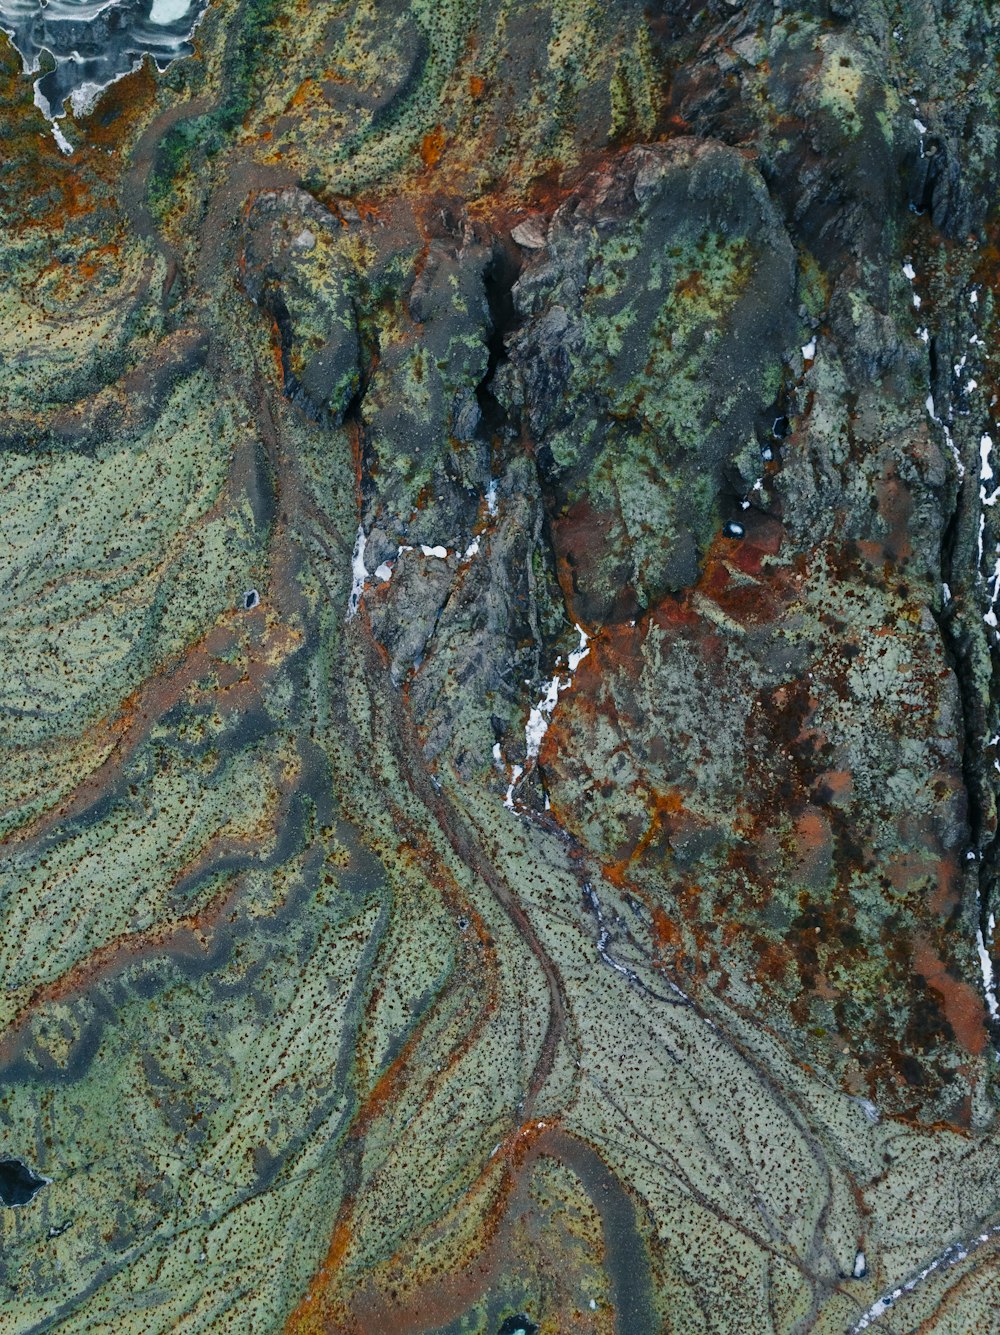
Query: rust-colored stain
{"points": [[568, 1030], [432, 146], [962, 1005]]}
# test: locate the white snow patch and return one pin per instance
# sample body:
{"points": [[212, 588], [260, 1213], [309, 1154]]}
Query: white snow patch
{"points": [[439, 552], [860, 1265], [538, 719], [491, 500], [909, 271], [540, 715], [989, 978], [578, 655], [959, 466], [809, 350], [985, 450], [358, 572], [60, 138], [472, 550], [917, 303], [952, 1255], [515, 774], [384, 572]]}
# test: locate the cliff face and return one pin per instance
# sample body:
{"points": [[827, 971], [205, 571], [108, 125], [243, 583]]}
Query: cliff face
{"points": [[498, 746]]}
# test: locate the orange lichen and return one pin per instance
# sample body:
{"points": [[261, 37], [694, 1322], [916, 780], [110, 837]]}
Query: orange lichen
{"points": [[432, 146]]}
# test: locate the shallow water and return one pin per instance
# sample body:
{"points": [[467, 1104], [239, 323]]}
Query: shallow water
{"points": [[94, 42]]}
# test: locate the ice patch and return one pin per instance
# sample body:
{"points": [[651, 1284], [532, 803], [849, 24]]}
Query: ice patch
{"points": [[491, 500], [84, 99], [168, 11]]}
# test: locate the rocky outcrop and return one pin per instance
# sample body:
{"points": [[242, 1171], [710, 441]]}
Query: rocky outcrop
{"points": [[499, 747]]}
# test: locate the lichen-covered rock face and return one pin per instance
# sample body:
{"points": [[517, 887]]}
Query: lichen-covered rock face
{"points": [[499, 739], [653, 327]]}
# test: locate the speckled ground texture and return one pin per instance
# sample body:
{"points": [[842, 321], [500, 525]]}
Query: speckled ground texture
{"points": [[499, 716]]}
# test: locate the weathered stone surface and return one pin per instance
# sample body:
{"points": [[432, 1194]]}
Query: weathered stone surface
{"points": [[498, 756]]}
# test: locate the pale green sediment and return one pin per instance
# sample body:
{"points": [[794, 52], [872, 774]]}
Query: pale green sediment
{"points": [[308, 1028]]}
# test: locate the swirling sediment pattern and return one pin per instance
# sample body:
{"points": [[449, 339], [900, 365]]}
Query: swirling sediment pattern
{"points": [[498, 721]]}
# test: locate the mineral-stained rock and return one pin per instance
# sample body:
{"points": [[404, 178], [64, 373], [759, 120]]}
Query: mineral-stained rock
{"points": [[498, 758], [649, 353]]}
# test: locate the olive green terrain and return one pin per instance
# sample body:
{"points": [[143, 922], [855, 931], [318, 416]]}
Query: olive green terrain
{"points": [[498, 757]]}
